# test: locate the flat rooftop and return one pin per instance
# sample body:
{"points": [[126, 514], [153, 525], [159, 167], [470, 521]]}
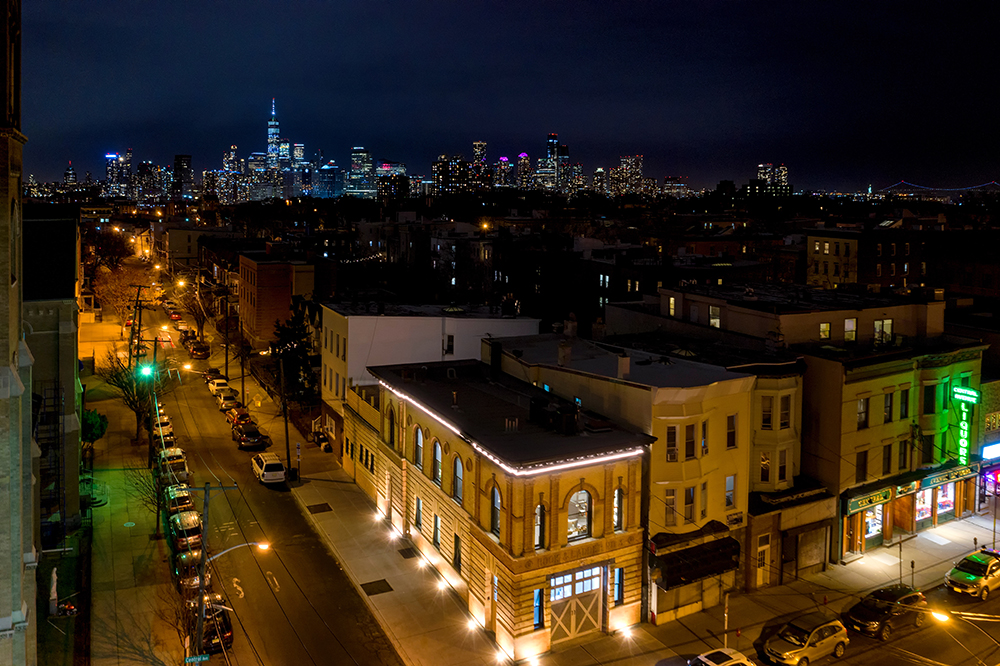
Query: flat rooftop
{"points": [[654, 369], [480, 407], [369, 307], [788, 298]]}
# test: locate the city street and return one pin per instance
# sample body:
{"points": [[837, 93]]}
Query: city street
{"points": [[292, 604]]}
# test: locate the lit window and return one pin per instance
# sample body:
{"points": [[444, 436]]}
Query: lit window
{"points": [[618, 508], [714, 316], [850, 329], [730, 491], [495, 513], [766, 412], [539, 527], [672, 305], [578, 516], [824, 331], [826, 247]]}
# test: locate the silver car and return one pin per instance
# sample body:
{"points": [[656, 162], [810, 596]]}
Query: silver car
{"points": [[807, 638]]}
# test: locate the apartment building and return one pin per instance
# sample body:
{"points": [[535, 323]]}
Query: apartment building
{"points": [[534, 521], [266, 287]]}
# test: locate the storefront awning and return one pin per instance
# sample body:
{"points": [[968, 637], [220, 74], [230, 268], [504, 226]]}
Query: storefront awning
{"points": [[681, 567]]}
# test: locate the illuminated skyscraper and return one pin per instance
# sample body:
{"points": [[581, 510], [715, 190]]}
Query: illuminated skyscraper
{"points": [[273, 139], [452, 174], [389, 168], [183, 188], [504, 173], [478, 154], [631, 176], [361, 178], [114, 175], [773, 179], [298, 154], [329, 181], [69, 176], [524, 173]]}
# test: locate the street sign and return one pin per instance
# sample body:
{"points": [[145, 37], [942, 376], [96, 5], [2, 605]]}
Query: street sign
{"points": [[195, 658]]}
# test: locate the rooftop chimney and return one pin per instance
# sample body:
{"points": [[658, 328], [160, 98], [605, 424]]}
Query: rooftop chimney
{"points": [[565, 352], [624, 366]]}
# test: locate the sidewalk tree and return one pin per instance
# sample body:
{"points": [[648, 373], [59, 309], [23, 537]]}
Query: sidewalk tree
{"points": [[193, 308], [109, 248], [143, 488], [116, 291], [133, 386], [93, 426]]}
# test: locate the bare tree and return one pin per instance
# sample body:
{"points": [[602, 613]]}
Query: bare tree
{"points": [[116, 290], [132, 387], [193, 307], [143, 488]]}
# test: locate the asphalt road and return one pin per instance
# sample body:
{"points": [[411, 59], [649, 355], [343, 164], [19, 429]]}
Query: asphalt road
{"points": [[292, 604]]}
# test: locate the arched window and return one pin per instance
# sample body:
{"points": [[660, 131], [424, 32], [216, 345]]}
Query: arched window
{"points": [[539, 527], [437, 463], [456, 490], [619, 508], [418, 449], [392, 428], [495, 512], [578, 516]]}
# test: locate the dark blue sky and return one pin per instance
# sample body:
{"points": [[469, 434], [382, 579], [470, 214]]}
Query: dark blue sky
{"points": [[842, 93]]}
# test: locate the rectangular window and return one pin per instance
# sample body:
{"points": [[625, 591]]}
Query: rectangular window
{"points": [[419, 514], [824, 330], [906, 249], [343, 350], [766, 412], [689, 441], [836, 270], [850, 329], [324, 375], [847, 249], [878, 249], [861, 467], [930, 399], [782, 464], [785, 413], [672, 306], [892, 249], [714, 316], [730, 491], [992, 421], [449, 345], [437, 531], [836, 249], [826, 247], [670, 500], [671, 443], [883, 330], [815, 247], [815, 268], [826, 268], [704, 499], [765, 467], [892, 269], [704, 438], [689, 504], [887, 408], [619, 586], [887, 460], [926, 449], [456, 557], [337, 352], [336, 384], [863, 413], [731, 431], [904, 456], [904, 403], [539, 608]]}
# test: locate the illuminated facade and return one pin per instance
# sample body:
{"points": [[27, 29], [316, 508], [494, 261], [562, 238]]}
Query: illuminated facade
{"points": [[273, 139], [361, 177], [452, 175], [524, 173], [535, 525], [503, 173], [600, 181]]}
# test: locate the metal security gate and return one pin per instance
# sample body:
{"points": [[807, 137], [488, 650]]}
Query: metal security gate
{"points": [[576, 599]]}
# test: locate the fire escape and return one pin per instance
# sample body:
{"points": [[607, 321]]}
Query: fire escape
{"points": [[50, 437]]}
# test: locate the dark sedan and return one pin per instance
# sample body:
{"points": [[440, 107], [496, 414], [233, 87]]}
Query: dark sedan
{"points": [[246, 434], [887, 609]]}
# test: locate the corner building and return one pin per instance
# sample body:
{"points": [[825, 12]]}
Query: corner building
{"points": [[534, 521]]}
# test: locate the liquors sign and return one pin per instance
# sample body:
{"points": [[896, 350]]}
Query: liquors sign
{"points": [[965, 399]]}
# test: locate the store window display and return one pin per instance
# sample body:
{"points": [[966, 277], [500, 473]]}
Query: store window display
{"points": [[946, 502], [873, 526], [924, 513]]}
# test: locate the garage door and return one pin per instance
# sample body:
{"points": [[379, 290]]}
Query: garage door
{"points": [[576, 603]]}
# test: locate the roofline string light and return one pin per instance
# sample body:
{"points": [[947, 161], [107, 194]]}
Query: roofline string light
{"points": [[579, 461]]}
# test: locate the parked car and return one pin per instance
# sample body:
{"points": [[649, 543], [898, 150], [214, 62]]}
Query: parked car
{"points": [[246, 435], [977, 574], [807, 638], [185, 531], [238, 415], [172, 467], [169, 304], [213, 373], [199, 350], [185, 572], [128, 322], [169, 439], [227, 400], [267, 468], [217, 627], [175, 315], [887, 609], [216, 385], [722, 657], [177, 498], [162, 425], [181, 325]]}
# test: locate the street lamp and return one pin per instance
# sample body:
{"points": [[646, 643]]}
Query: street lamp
{"points": [[946, 616], [200, 632]]}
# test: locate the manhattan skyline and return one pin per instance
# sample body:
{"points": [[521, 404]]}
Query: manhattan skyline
{"points": [[847, 98]]}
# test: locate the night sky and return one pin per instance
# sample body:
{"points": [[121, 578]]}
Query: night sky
{"points": [[842, 93]]}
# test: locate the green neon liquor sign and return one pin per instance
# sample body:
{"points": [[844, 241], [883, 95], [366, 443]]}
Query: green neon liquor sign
{"points": [[966, 399]]}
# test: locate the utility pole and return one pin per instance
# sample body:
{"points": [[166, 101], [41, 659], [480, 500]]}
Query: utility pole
{"points": [[226, 346], [202, 565], [284, 411]]}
